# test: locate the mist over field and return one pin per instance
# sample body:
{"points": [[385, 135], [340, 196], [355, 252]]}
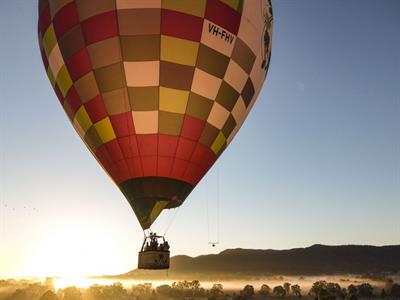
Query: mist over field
{"points": [[306, 287], [315, 272]]}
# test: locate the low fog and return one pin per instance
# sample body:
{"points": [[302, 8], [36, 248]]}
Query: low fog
{"points": [[340, 287]]}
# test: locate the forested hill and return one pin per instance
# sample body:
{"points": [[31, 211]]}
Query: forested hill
{"points": [[314, 260]]}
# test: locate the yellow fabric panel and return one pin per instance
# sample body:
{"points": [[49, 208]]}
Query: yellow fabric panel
{"points": [[178, 50], [49, 40], [232, 3], [157, 209], [173, 100], [218, 143], [51, 77], [82, 119], [64, 81], [105, 130], [191, 7]]}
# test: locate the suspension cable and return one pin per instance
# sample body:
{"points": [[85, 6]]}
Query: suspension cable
{"points": [[169, 224]]}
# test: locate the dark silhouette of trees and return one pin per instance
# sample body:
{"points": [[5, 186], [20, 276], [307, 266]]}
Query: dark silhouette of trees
{"points": [[184, 289], [19, 294], [279, 291], [264, 291], [195, 284], [32, 292], [325, 290], [49, 282], [164, 290], [141, 290], [115, 291], [247, 292], [70, 293], [286, 286], [324, 295], [334, 289], [388, 284], [365, 290], [343, 294], [196, 289], [383, 294], [395, 290], [352, 289], [93, 292], [320, 290], [216, 291], [296, 290], [49, 295], [317, 287]]}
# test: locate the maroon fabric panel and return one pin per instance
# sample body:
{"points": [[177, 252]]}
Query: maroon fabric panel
{"points": [[65, 19], [181, 25], [223, 15], [100, 27]]}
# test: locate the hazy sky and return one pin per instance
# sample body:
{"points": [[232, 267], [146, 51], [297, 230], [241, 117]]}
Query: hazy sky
{"points": [[317, 161]]}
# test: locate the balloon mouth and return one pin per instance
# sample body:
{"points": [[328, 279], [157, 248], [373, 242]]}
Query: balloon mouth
{"points": [[148, 196], [174, 203]]}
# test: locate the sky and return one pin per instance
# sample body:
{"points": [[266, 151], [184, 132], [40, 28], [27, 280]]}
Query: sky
{"points": [[316, 162]]}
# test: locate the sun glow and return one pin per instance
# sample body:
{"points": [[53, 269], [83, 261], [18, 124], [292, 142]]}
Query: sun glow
{"points": [[81, 282], [72, 253], [63, 282]]}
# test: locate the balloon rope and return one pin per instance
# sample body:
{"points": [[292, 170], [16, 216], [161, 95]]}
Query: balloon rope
{"points": [[171, 221], [218, 199], [3, 204], [208, 215], [262, 37], [213, 228]]}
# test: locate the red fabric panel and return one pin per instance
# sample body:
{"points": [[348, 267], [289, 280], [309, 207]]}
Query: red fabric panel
{"points": [[114, 150], [193, 174], [123, 124], [147, 144], [65, 19], [149, 164], [120, 171], [135, 167], [96, 109], [167, 145], [100, 27], [192, 128], [104, 157], [44, 59], [79, 64], [44, 20], [129, 146], [60, 95], [164, 166], [178, 169], [114, 174], [223, 15], [181, 25], [73, 100], [185, 149], [203, 157]]}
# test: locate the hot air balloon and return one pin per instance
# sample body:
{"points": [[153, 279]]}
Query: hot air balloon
{"points": [[156, 89]]}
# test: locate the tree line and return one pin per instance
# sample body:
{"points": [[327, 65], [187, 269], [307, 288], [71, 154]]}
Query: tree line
{"points": [[320, 290]]}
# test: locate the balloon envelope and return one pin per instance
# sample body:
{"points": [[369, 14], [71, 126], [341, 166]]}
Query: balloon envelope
{"points": [[156, 88]]}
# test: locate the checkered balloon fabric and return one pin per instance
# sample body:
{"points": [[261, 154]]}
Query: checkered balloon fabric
{"points": [[156, 88]]}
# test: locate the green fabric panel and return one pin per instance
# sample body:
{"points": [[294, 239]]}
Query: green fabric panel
{"points": [[235, 4], [148, 196]]}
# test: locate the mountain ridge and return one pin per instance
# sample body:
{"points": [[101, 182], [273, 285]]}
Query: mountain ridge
{"points": [[313, 260]]}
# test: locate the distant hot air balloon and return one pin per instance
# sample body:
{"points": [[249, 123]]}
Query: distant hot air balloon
{"points": [[156, 88]]}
